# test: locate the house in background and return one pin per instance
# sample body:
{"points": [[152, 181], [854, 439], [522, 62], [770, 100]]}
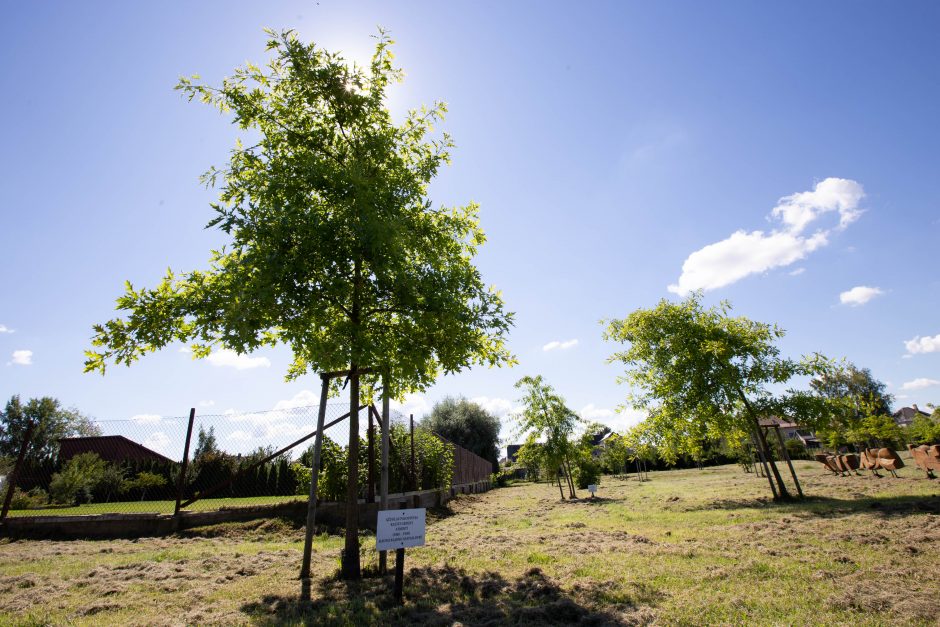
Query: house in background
{"points": [[905, 416], [512, 451], [792, 431], [110, 448]]}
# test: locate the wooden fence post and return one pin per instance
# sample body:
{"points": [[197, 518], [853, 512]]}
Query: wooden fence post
{"points": [[15, 475], [181, 484]]}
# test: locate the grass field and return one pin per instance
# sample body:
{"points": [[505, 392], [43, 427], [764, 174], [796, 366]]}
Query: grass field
{"points": [[688, 547], [151, 507]]}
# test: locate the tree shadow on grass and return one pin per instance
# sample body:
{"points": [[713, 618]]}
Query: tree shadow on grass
{"points": [[597, 500], [833, 507], [446, 595]]}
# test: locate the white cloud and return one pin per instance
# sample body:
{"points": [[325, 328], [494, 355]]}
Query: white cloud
{"points": [[22, 358], [157, 441], [833, 194], [859, 295], [304, 398], [240, 436], [147, 419], [225, 357], [499, 407], [919, 384], [923, 344], [592, 413], [797, 272], [742, 253], [5, 329], [209, 403], [560, 345], [414, 403]]}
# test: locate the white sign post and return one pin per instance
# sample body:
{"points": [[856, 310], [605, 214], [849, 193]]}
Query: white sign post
{"points": [[398, 529]]}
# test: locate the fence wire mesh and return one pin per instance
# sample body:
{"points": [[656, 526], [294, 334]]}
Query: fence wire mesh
{"points": [[235, 459]]}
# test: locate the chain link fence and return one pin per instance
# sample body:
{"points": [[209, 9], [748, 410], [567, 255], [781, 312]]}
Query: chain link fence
{"points": [[235, 459]]}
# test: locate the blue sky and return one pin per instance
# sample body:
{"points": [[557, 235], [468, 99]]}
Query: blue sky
{"points": [[778, 155]]}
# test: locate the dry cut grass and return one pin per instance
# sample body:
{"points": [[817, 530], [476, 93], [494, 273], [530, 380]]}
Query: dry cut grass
{"points": [[688, 547]]}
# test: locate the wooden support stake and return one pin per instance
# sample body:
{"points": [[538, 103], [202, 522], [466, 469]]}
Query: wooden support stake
{"points": [[383, 480], [314, 472], [786, 456], [414, 472], [184, 466], [763, 460], [370, 489], [15, 475]]}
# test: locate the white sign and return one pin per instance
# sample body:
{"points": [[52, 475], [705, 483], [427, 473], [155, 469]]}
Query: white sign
{"points": [[399, 529], [592, 488]]}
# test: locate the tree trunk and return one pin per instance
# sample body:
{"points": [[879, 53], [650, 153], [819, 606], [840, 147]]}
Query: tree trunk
{"points": [[567, 466], [351, 552], [350, 568], [783, 493], [561, 492]]}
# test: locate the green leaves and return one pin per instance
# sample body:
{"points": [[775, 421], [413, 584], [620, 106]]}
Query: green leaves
{"points": [[336, 250], [694, 369]]}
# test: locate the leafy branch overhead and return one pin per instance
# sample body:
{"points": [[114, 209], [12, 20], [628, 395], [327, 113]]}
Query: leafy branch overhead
{"points": [[336, 250]]}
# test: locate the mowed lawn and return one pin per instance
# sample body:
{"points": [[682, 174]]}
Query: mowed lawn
{"points": [[687, 547]]}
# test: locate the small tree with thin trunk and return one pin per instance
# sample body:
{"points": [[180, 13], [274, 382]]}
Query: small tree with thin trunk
{"points": [[546, 417], [336, 250], [703, 374]]}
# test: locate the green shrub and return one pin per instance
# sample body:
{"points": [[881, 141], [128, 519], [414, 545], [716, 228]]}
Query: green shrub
{"points": [[587, 470], [76, 482], [28, 500], [501, 479]]}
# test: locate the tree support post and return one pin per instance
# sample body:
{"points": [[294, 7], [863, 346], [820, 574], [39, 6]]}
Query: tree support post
{"points": [[370, 493], [15, 475], [414, 467], [786, 456], [383, 481], [314, 473], [184, 466], [763, 461]]}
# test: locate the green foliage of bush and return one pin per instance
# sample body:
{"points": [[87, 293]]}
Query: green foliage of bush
{"points": [[434, 465], [145, 481], [27, 500], [76, 482], [925, 429], [587, 469]]}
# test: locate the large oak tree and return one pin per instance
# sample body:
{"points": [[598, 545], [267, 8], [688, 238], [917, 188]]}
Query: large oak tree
{"points": [[336, 250]]}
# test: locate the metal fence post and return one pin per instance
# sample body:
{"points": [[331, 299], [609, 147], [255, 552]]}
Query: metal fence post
{"points": [[15, 475], [181, 484]]}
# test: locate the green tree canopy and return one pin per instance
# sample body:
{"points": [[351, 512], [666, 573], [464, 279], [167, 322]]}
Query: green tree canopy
{"points": [[465, 423], [855, 400], [336, 250], [51, 421], [701, 373]]}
